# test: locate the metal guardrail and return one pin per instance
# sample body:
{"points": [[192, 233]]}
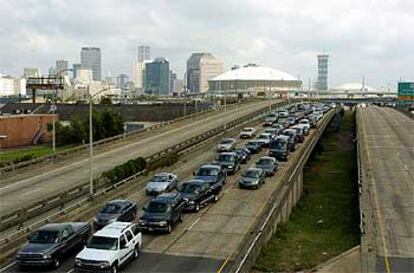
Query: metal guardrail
{"points": [[18, 217], [263, 230]]}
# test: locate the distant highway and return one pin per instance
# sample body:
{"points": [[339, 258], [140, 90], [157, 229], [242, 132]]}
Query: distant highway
{"points": [[388, 185], [30, 186]]}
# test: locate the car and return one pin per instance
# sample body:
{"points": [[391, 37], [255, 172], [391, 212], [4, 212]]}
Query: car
{"points": [[293, 140], [305, 128], [50, 244], [226, 145], [291, 120], [252, 178], [278, 126], [313, 121], [299, 133], [283, 114], [280, 147], [268, 164], [273, 131], [162, 213], [332, 105], [253, 146], [160, 183], [243, 155], [228, 161], [115, 210], [269, 121], [305, 122], [197, 194], [215, 175], [110, 248], [264, 139], [248, 132]]}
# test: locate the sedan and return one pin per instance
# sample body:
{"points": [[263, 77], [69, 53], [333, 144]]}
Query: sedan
{"points": [[243, 155], [268, 164], [160, 183], [265, 139], [116, 210], [248, 132], [197, 194], [252, 178], [226, 145], [253, 146]]}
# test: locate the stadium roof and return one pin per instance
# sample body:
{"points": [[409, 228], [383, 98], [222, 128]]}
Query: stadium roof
{"points": [[354, 86], [255, 73]]}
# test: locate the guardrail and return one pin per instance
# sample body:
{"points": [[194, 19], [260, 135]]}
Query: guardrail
{"points": [[273, 213], [21, 215]]}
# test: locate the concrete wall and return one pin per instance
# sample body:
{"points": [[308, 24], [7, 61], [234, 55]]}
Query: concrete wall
{"points": [[24, 130]]}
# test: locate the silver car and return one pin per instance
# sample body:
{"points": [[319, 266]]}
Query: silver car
{"points": [[252, 178], [268, 164], [160, 183], [226, 145]]}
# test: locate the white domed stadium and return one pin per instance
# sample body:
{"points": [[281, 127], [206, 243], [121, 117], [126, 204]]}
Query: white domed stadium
{"points": [[252, 79]]}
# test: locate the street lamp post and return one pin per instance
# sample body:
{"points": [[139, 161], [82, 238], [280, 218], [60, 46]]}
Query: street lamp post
{"points": [[91, 187]]}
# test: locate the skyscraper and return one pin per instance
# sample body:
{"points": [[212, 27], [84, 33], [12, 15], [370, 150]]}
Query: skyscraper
{"points": [[121, 80], [202, 67], [91, 59], [157, 77], [323, 72], [61, 65], [144, 53], [76, 68]]}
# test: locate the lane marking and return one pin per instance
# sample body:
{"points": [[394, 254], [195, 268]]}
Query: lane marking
{"points": [[6, 267], [223, 265], [194, 223], [379, 215], [73, 269]]}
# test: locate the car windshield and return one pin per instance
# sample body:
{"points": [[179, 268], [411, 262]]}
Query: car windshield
{"points": [[225, 158], [106, 243], [44, 237], [207, 172], [251, 174], [111, 209], [157, 207], [303, 122], [159, 178], [277, 145], [265, 161], [226, 141], [189, 188]]}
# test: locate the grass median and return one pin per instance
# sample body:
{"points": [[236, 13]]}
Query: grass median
{"points": [[325, 221]]}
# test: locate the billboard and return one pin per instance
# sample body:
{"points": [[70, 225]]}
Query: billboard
{"points": [[406, 91]]}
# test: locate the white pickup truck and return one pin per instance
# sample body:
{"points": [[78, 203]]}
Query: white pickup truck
{"points": [[110, 248]]}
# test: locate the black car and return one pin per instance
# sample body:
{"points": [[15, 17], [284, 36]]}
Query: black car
{"points": [[162, 213], [116, 210], [243, 155], [215, 175], [228, 161], [196, 194], [291, 120], [253, 146], [50, 244], [293, 140], [280, 147]]}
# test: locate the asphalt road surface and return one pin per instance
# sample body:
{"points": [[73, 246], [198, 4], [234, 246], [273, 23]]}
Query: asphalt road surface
{"points": [[55, 179], [209, 240], [389, 147]]}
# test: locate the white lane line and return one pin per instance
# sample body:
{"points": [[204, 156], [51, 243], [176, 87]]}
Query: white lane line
{"points": [[194, 223], [10, 265], [71, 270]]}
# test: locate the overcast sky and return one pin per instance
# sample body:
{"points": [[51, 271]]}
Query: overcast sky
{"points": [[374, 38]]}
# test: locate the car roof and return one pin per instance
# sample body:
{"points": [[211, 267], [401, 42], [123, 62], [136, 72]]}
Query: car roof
{"points": [[266, 157], [281, 137], [210, 166], [195, 181], [113, 230], [163, 174], [53, 226], [119, 202], [254, 169], [249, 128], [227, 153]]}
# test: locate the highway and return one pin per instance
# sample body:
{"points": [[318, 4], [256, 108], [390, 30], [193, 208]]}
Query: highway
{"points": [[19, 190], [206, 241], [388, 146]]}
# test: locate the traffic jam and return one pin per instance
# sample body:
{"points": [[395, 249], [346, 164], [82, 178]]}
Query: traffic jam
{"points": [[115, 236]]}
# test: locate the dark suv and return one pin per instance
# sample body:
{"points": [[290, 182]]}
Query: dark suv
{"points": [[228, 161], [196, 194], [279, 147], [293, 140], [215, 175], [116, 210], [162, 213]]}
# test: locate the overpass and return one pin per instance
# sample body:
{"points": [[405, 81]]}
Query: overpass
{"points": [[386, 167]]}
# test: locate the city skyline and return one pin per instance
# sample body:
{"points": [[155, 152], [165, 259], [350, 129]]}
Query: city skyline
{"points": [[243, 32]]}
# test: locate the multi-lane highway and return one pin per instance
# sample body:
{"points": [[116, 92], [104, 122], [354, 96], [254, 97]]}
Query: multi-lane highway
{"points": [[387, 139], [209, 240], [30, 186]]}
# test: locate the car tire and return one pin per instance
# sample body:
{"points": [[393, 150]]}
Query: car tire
{"points": [[56, 262], [114, 268], [136, 253]]}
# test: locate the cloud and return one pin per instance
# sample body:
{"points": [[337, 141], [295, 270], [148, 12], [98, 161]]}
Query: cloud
{"points": [[364, 37]]}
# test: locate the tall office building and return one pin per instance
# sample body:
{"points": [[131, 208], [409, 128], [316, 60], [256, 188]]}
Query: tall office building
{"points": [[323, 72], [202, 67], [157, 77], [121, 80], [91, 59], [144, 53], [76, 68], [62, 65]]}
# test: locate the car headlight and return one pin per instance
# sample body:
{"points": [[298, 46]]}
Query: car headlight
{"points": [[191, 202], [104, 265], [230, 167], [162, 223], [46, 256], [142, 222]]}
